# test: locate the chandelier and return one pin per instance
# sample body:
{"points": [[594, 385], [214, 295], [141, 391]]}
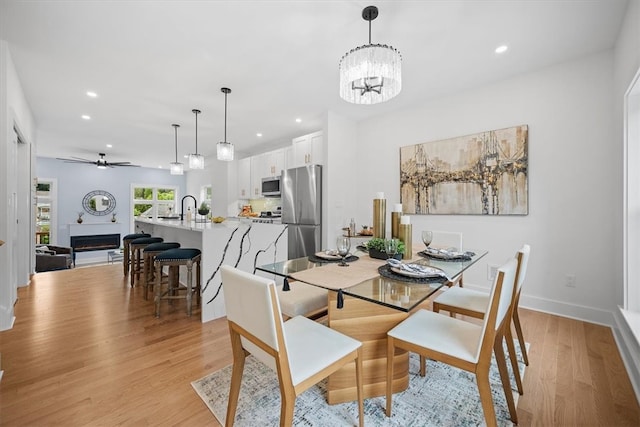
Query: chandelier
{"points": [[196, 161], [225, 149], [371, 73], [176, 168]]}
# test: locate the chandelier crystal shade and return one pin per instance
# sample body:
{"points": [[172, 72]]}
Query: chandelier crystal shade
{"points": [[371, 73], [224, 148], [176, 168], [196, 161]]}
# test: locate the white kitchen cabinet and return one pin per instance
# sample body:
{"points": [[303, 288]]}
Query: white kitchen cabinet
{"points": [[308, 149], [289, 158], [274, 163], [258, 170], [244, 178]]}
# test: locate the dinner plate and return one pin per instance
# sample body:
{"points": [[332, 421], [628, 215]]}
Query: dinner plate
{"points": [[325, 255], [433, 272]]}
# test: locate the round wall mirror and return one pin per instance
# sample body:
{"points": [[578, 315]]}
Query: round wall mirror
{"points": [[99, 202]]}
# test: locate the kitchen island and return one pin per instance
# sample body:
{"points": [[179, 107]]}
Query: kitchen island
{"points": [[237, 242]]}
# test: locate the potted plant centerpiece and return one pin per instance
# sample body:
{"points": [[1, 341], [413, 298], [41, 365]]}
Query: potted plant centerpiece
{"points": [[203, 209], [376, 248]]}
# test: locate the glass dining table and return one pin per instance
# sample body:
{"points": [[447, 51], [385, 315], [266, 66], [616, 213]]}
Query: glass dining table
{"points": [[367, 309], [388, 288]]}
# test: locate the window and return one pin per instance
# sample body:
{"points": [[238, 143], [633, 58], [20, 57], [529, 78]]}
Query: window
{"points": [[153, 202], [205, 195]]}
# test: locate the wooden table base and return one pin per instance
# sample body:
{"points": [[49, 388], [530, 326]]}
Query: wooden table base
{"points": [[368, 323]]}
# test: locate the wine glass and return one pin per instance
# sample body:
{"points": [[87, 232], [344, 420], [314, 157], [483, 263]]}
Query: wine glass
{"points": [[391, 248], [427, 237], [343, 245]]}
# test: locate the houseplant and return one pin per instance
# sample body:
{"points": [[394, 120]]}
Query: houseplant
{"points": [[203, 209], [376, 249]]}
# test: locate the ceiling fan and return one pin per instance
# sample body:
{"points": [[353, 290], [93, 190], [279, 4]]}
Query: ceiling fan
{"points": [[101, 163]]}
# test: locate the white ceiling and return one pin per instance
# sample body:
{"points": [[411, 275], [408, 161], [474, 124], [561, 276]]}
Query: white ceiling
{"points": [[152, 62]]}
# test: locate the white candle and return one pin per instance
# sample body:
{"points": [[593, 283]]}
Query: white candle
{"points": [[404, 219], [380, 195], [397, 207]]}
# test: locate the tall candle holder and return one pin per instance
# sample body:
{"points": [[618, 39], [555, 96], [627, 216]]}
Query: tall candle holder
{"points": [[395, 221], [379, 216], [404, 234]]}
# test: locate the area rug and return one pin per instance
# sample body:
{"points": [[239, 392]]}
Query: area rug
{"points": [[446, 396]]}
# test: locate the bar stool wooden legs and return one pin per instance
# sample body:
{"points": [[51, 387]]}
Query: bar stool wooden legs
{"points": [[126, 260], [149, 254], [174, 258], [136, 246]]}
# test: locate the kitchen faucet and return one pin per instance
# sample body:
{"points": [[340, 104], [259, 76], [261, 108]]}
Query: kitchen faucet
{"points": [[195, 205]]}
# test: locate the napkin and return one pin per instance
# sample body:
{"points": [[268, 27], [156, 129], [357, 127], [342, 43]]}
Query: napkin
{"points": [[449, 253], [416, 268]]}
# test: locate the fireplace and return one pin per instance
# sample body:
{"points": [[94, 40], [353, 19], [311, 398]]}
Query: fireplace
{"points": [[94, 242]]}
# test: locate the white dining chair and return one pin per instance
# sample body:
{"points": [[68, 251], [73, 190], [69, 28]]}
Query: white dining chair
{"points": [[461, 344], [474, 303], [301, 351]]}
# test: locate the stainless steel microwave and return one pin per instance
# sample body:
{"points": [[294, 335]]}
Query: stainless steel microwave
{"points": [[271, 187]]}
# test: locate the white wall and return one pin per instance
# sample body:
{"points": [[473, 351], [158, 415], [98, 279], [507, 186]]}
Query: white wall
{"points": [[14, 112], [574, 183]]}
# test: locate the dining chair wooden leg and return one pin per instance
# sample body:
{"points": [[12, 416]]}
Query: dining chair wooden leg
{"points": [[423, 366], [514, 359], [236, 377], [504, 377], [516, 322], [482, 378], [359, 387], [287, 406]]}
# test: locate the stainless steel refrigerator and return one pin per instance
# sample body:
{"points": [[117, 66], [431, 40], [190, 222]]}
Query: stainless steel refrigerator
{"points": [[302, 209]]}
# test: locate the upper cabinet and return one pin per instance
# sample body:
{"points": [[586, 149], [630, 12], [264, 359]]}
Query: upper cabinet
{"points": [[274, 162], [308, 149], [244, 178]]}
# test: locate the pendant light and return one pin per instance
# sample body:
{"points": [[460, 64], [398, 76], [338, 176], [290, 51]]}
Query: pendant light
{"points": [[176, 167], [371, 73], [196, 161], [225, 149]]}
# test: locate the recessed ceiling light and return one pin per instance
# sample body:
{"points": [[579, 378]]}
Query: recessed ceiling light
{"points": [[502, 48], [85, 117], [298, 120], [109, 146], [186, 156], [91, 94], [159, 166], [258, 134]]}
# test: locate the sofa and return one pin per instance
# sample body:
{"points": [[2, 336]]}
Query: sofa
{"points": [[50, 258]]}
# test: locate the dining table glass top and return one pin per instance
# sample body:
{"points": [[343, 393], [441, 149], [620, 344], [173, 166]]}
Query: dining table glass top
{"points": [[401, 293]]}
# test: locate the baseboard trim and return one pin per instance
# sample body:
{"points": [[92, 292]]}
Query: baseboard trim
{"points": [[629, 348]]}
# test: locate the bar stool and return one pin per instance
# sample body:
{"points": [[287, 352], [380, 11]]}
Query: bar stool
{"points": [[126, 261], [149, 256], [174, 258], [136, 246]]}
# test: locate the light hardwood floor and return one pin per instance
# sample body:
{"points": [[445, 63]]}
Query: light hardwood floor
{"points": [[87, 350]]}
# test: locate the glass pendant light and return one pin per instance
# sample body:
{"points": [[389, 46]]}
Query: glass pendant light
{"points": [[225, 149], [176, 168], [371, 73], [196, 161]]}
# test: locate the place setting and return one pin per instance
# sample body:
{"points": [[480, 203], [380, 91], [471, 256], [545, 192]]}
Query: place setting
{"points": [[408, 272], [341, 254], [450, 254]]}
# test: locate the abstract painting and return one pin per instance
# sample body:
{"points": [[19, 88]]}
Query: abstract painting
{"points": [[481, 174]]}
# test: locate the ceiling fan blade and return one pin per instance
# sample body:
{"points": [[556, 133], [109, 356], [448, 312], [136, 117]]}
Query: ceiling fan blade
{"points": [[72, 160], [119, 163], [126, 164]]}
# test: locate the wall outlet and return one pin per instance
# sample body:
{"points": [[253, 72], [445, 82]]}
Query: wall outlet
{"points": [[570, 280], [492, 271]]}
